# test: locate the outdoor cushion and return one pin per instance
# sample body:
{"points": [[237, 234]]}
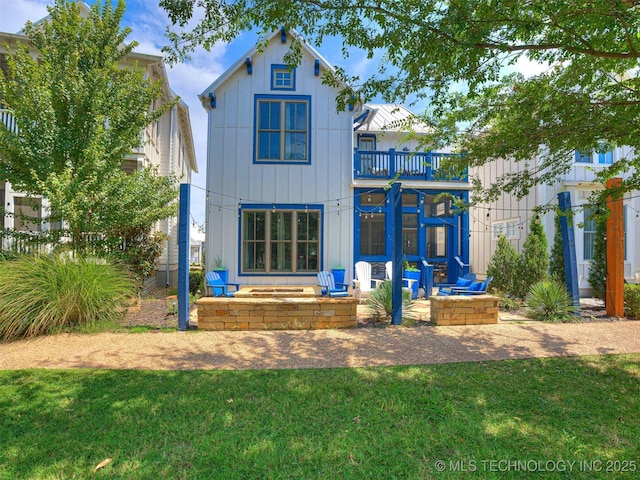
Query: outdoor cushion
{"points": [[463, 282], [476, 286]]}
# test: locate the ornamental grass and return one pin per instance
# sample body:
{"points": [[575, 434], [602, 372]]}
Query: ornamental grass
{"points": [[48, 294]]}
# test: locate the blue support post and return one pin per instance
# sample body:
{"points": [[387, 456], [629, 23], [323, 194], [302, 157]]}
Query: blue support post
{"points": [[569, 248], [183, 256], [396, 254]]}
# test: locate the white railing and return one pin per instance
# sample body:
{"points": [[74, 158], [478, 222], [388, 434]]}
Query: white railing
{"points": [[8, 120]]}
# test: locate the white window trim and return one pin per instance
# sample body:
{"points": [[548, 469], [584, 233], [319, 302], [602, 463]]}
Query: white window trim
{"points": [[505, 225]]}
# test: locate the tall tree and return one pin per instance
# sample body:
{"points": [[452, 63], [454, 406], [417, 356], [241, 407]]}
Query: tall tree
{"points": [[460, 56], [79, 112]]}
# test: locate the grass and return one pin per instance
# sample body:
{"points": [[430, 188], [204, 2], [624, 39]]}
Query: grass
{"points": [[392, 422]]}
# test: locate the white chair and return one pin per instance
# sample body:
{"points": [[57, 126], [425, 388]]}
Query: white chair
{"points": [[408, 282], [362, 281]]}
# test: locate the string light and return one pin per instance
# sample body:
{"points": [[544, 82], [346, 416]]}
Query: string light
{"points": [[378, 208]]}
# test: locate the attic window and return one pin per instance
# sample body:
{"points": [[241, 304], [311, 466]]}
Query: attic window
{"points": [[283, 77]]}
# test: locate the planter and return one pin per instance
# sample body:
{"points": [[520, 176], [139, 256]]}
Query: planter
{"points": [[338, 274], [224, 274], [413, 275]]}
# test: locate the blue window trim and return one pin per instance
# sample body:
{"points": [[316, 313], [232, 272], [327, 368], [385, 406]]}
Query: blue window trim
{"points": [[285, 98], [279, 67], [287, 207], [581, 157], [368, 135]]}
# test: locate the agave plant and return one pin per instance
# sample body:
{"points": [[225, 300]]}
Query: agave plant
{"points": [[379, 302], [549, 301]]}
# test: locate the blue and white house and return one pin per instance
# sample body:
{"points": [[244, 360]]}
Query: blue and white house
{"points": [[295, 186]]}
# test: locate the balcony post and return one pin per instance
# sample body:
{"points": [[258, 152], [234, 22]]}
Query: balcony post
{"points": [[392, 162], [356, 163]]}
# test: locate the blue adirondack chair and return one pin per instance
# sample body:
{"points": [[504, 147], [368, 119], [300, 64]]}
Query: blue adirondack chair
{"points": [[461, 282], [476, 288], [330, 287], [218, 287]]}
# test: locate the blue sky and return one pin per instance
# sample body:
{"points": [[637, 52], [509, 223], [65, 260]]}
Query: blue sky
{"points": [[148, 23]]}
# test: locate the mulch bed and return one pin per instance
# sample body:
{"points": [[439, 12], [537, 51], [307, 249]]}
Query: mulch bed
{"points": [[153, 312]]}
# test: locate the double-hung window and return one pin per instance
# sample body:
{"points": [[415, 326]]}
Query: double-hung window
{"points": [[281, 240], [589, 233], [282, 129], [508, 228]]}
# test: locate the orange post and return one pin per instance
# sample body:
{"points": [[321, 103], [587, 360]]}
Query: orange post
{"points": [[614, 295]]}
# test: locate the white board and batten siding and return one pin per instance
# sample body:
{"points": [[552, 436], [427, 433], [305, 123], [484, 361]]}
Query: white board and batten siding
{"points": [[234, 178], [507, 209], [579, 181]]}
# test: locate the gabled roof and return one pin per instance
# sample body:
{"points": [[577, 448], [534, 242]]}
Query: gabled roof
{"points": [[84, 13], [384, 117], [241, 62], [187, 136]]}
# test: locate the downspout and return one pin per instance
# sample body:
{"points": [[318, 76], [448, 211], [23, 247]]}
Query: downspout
{"points": [[169, 173]]}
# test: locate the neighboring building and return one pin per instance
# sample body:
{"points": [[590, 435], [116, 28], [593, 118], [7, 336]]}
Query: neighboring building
{"points": [[295, 187], [196, 239], [168, 145], [511, 217]]}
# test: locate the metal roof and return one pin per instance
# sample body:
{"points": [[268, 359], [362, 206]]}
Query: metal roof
{"points": [[384, 117]]}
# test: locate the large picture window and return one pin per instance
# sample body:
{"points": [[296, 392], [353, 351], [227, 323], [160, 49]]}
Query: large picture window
{"points": [[281, 240], [282, 129]]}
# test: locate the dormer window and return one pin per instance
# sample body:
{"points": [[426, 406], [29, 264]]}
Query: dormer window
{"points": [[283, 77]]}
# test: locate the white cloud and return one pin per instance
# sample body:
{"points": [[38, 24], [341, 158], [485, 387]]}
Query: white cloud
{"points": [[15, 13]]}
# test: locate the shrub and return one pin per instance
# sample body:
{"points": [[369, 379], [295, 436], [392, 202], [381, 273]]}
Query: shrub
{"points": [[534, 260], [508, 303], [196, 278], [504, 266], [379, 302], [549, 301], [632, 301], [556, 261], [44, 294], [598, 266]]}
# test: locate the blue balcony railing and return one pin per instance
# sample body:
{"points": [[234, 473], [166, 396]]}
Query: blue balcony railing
{"points": [[407, 165]]}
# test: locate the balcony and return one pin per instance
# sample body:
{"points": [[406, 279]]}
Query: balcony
{"points": [[7, 119], [407, 165]]}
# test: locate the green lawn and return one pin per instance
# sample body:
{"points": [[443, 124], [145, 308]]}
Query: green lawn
{"points": [[327, 424]]}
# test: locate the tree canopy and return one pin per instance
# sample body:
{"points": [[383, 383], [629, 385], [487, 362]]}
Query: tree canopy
{"points": [[460, 56], [80, 110]]}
